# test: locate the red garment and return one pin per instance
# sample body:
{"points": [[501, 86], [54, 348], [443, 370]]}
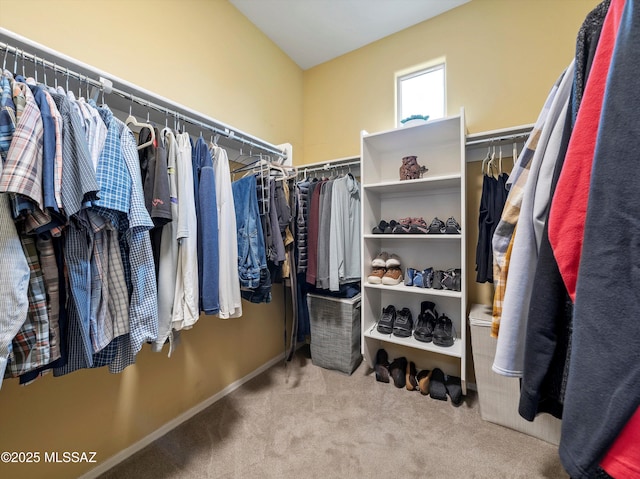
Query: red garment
{"points": [[569, 205], [623, 459]]}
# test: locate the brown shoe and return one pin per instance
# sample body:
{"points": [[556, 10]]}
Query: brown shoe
{"points": [[376, 275], [392, 276], [424, 378]]}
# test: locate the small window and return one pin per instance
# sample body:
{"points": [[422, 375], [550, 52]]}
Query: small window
{"points": [[421, 92]]}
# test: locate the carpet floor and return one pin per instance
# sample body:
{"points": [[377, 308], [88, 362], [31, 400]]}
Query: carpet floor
{"points": [[302, 421]]}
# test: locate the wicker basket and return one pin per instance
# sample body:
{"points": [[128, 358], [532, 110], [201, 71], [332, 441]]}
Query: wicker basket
{"points": [[335, 332]]}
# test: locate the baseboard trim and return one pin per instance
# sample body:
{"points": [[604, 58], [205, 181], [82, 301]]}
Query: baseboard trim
{"points": [[161, 431]]}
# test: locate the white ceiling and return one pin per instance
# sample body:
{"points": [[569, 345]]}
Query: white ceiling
{"points": [[315, 31]]}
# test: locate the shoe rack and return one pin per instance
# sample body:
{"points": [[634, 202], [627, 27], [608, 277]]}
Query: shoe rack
{"points": [[440, 192]]}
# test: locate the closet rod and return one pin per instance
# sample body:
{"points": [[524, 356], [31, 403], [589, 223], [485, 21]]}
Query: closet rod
{"points": [[105, 85], [498, 139], [328, 166]]}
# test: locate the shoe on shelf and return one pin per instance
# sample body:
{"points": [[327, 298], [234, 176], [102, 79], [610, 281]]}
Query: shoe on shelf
{"points": [[438, 275], [424, 278], [382, 226], [409, 275], [398, 370], [376, 275], [437, 227], [451, 279], [452, 226], [385, 324], [437, 389], [419, 226], [411, 380], [443, 332], [403, 227], [393, 261], [391, 225], [423, 378], [426, 322], [392, 276], [403, 325], [382, 366], [454, 389], [380, 261]]}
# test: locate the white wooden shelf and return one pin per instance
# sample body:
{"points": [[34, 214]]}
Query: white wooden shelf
{"points": [[417, 237], [455, 350], [438, 145], [402, 288]]}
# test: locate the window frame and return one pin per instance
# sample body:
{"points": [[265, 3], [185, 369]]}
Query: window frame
{"points": [[417, 70]]}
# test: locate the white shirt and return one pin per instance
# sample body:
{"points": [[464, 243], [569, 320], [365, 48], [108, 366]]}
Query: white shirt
{"points": [[185, 303], [229, 281]]}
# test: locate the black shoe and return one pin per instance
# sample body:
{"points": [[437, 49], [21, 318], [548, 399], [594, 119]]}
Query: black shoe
{"points": [[454, 389], [385, 325], [389, 229], [438, 275], [382, 226], [426, 322], [403, 325], [452, 226], [437, 389], [443, 333], [451, 279], [437, 227], [382, 366], [398, 370]]}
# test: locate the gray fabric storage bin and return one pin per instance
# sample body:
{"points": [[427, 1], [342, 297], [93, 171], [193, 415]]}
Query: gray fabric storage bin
{"points": [[499, 395], [335, 332]]}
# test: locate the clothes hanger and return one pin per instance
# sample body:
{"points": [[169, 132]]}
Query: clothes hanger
{"points": [[484, 161], [500, 161], [131, 120]]}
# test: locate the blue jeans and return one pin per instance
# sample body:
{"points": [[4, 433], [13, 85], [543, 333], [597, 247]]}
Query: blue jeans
{"points": [[251, 250]]}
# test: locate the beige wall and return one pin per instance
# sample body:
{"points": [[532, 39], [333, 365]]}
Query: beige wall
{"points": [[502, 57], [206, 55]]}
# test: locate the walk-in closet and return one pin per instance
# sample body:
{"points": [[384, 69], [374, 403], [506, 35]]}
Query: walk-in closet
{"points": [[319, 238]]}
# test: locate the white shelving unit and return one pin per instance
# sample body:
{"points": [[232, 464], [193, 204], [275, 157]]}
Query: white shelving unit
{"points": [[440, 146]]}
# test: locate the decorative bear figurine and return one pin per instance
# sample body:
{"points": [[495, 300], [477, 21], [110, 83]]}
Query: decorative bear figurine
{"points": [[410, 169]]}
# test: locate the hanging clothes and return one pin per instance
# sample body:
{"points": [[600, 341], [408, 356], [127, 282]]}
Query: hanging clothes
{"points": [[229, 282], [604, 381], [509, 357], [344, 236], [185, 304], [549, 324], [207, 214]]}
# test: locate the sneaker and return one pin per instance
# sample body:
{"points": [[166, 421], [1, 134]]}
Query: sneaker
{"points": [[437, 227], [443, 332], [424, 278], [393, 261], [391, 225], [380, 261], [392, 276], [403, 325], [451, 279], [376, 275], [419, 226], [380, 229], [438, 275], [409, 276], [385, 324], [403, 227], [452, 226], [426, 322]]}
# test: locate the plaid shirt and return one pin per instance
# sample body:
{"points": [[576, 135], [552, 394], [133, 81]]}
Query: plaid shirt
{"points": [[22, 171], [7, 115], [14, 301], [143, 305], [500, 286], [57, 172], [78, 185], [31, 343], [503, 235]]}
